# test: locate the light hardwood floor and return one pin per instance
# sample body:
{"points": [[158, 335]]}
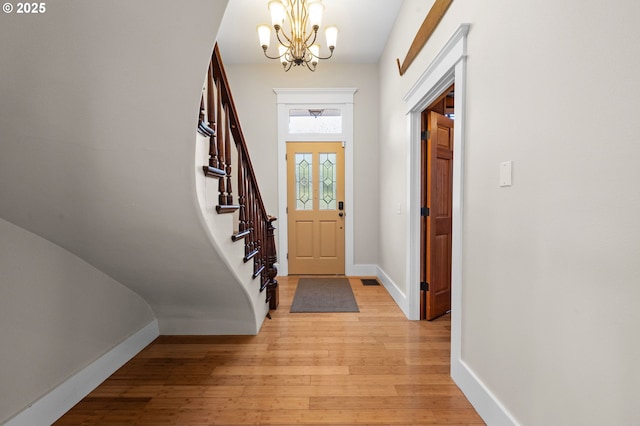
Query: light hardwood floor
{"points": [[373, 367]]}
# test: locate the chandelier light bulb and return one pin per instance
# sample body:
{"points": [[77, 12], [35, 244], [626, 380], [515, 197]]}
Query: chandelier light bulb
{"points": [[315, 14], [264, 35], [331, 33], [277, 13]]}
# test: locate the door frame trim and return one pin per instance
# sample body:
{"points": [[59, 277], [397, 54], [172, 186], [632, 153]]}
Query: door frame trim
{"points": [[448, 67], [331, 98]]}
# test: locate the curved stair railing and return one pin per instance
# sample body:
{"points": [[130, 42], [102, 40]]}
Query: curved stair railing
{"points": [[228, 154]]}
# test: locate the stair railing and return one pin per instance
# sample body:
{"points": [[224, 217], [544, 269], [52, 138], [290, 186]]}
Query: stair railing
{"points": [[228, 154]]}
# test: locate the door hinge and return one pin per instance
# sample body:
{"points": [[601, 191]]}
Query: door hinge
{"points": [[424, 211], [424, 135], [287, 210], [424, 286], [287, 256]]}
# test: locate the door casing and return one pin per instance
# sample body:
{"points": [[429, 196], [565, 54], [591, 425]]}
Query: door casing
{"points": [[448, 67], [316, 98]]}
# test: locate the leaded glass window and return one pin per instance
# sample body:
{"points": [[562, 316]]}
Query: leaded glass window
{"points": [[327, 167], [304, 181]]}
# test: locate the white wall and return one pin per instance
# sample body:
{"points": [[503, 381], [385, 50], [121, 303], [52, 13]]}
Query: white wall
{"points": [[550, 294], [97, 123], [252, 87], [220, 227], [58, 314]]}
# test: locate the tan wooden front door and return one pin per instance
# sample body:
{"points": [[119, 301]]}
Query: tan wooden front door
{"points": [[315, 206], [437, 190]]}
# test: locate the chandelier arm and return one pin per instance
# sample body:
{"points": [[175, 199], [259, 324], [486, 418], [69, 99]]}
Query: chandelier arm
{"points": [[314, 34], [300, 12], [327, 57], [289, 12], [288, 44], [309, 66], [304, 19], [272, 57]]}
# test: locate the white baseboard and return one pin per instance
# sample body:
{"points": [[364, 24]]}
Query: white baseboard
{"points": [[362, 270], [483, 400], [397, 295], [205, 327], [53, 405]]}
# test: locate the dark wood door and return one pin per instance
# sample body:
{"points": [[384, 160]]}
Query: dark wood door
{"points": [[437, 177]]}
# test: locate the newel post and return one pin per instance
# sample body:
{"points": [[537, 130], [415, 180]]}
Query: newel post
{"points": [[272, 271]]}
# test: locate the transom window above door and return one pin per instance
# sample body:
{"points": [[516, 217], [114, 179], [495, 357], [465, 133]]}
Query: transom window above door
{"points": [[324, 121]]}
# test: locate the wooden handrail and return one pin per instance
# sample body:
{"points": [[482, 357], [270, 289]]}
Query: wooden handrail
{"points": [[236, 131], [254, 225]]}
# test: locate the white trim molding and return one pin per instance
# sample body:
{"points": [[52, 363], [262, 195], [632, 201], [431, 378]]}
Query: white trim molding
{"points": [[431, 84], [398, 296], [336, 98], [315, 96], [447, 68], [53, 405]]}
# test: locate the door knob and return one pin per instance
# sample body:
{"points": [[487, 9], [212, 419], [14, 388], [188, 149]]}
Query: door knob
{"points": [[340, 214]]}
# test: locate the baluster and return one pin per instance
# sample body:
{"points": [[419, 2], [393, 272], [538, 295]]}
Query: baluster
{"points": [[224, 129], [249, 245], [219, 149], [263, 253], [265, 244], [202, 109], [242, 218], [258, 262], [254, 224], [211, 117], [272, 271], [227, 155]]}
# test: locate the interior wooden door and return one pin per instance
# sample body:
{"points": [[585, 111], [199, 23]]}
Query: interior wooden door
{"points": [[315, 206], [437, 177]]}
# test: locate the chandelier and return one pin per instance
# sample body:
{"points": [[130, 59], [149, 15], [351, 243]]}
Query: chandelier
{"points": [[297, 43]]}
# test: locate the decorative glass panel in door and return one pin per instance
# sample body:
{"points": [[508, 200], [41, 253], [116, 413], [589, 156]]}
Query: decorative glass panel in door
{"points": [[327, 180], [304, 181]]}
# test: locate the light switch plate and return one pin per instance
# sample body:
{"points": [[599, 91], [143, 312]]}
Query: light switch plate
{"points": [[505, 173]]}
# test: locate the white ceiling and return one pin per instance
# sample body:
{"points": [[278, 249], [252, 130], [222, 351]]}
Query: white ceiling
{"points": [[364, 27]]}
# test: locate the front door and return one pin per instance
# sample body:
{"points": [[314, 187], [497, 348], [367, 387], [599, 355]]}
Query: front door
{"points": [[437, 190], [315, 206]]}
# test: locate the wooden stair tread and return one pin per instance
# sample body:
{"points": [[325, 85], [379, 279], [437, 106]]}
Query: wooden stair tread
{"points": [[240, 235], [213, 172], [227, 209]]}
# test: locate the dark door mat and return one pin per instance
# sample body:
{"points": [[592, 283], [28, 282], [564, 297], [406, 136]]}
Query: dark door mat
{"points": [[369, 281], [324, 295]]}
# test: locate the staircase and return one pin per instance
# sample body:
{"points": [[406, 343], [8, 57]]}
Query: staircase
{"points": [[228, 156]]}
